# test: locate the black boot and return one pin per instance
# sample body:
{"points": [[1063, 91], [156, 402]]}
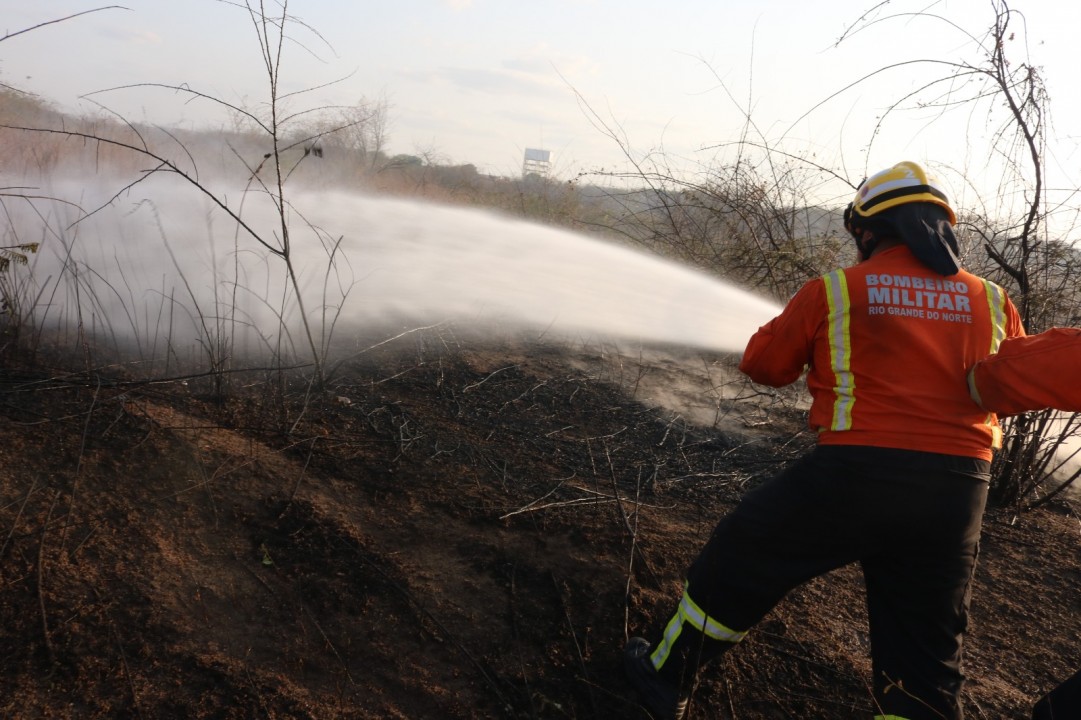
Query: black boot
{"points": [[661, 697]]}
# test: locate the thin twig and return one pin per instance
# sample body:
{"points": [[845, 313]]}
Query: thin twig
{"points": [[18, 515], [630, 563], [123, 655], [41, 583], [326, 639], [79, 463], [574, 637], [300, 477], [615, 490], [517, 638], [490, 375], [59, 20]]}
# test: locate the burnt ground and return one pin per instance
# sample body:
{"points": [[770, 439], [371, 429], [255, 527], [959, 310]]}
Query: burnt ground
{"points": [[459, 530]]}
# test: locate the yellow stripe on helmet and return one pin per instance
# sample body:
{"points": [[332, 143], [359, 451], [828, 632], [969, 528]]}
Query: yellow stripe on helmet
{"points": [[905, 182]]}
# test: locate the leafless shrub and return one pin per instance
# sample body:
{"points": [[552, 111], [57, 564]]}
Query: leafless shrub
{"points": [[755, 214], [276, 142]]}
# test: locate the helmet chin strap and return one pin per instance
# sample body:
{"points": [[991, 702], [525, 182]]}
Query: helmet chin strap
{"points": [[865, 247]]}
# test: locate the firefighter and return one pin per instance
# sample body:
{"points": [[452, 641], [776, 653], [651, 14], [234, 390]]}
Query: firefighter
{"points": [[1035, 373], [1031, 373], [898, 478]]}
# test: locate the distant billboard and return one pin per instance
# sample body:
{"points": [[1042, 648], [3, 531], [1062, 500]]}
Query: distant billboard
{"points": [[535, 155]]}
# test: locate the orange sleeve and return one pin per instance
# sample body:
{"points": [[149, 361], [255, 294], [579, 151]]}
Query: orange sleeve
{"points": [[1031, 373], [779, 352]]}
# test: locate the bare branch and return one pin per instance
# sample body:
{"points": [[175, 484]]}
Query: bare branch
{"points": [[60, 20]]}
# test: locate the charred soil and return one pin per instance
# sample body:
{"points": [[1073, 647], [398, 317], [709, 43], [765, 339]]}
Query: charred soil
{"points": [[457, 530]]}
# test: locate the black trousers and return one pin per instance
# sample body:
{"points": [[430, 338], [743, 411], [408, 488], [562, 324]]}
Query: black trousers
{"points": [[1062, 703], [912, 520]]}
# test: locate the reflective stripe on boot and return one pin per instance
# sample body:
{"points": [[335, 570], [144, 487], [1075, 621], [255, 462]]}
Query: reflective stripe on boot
{"points": [[690, 614]]}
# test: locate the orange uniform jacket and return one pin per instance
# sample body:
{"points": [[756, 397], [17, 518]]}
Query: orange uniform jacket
{"points": [[1031, 373], [887, 344]]}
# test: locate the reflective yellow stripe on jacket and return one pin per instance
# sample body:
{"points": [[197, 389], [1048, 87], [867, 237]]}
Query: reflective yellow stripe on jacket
{"points": [[996, 306], [840, 338]]}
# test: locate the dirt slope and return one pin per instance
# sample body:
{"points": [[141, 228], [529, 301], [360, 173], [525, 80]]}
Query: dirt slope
{"points": [[458, 531]]}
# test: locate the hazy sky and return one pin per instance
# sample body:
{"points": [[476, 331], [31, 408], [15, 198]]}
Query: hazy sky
{"points": [[478, 81]]}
